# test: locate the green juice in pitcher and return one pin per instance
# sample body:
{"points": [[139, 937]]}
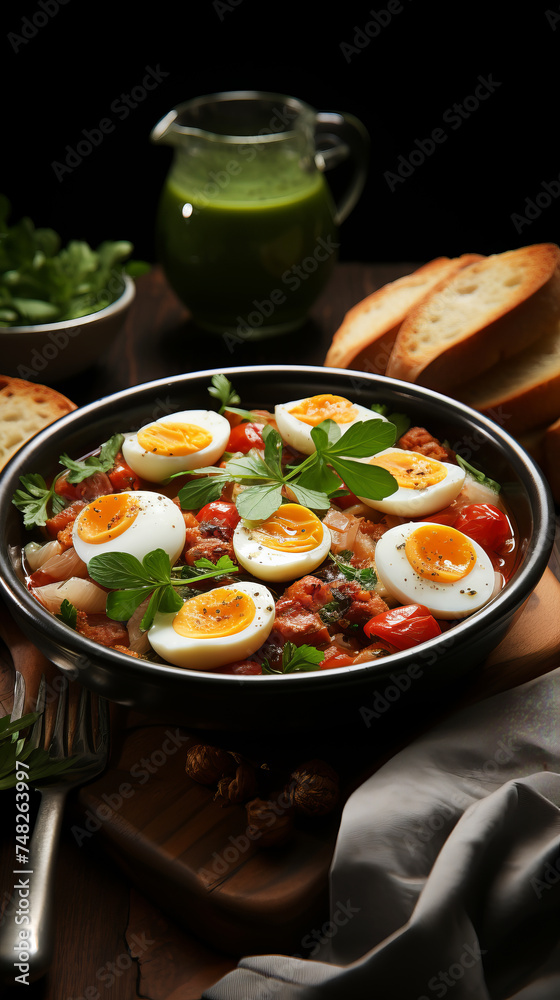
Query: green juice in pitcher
{"points": [[247, 250]]}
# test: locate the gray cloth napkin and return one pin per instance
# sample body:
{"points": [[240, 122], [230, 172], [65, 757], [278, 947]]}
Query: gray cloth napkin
{"points": [[445, 880]]}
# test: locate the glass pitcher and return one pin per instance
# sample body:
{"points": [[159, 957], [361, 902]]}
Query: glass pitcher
{"points": [[247, 227]]}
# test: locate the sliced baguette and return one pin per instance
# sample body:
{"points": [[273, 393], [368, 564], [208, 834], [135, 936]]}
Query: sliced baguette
{"points": [[486, 312], [523, 392], [25, 408], [543, 444], [366, 336]]}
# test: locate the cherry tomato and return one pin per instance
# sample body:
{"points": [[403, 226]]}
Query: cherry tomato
{"points": [[485, 524], [346, 501], [244, 437], [405, 626], [219, 511]]}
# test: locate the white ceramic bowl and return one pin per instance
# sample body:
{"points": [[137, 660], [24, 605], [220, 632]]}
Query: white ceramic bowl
{"points": [[48, 352]]}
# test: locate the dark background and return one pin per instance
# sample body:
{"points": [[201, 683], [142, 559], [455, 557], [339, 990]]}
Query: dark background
{"points": [[65, 64]]}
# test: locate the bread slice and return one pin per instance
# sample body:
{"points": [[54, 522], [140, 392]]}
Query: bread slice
{"points": [[486, 312], [543, 444], [366, 336], [25, 408], [523, 392]]}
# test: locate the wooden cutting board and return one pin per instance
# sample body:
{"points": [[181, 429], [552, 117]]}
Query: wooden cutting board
{"points": [[192, 856]]}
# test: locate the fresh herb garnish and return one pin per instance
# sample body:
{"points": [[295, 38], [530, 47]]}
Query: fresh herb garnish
{"points": [[222, 390], [130, 582], [41, 282], [105, 460], [400, 420], [36, 500], [478, 475], [364, 575], [296, 659], [15, 748], [312, 482], [68, 613], [334, 610]]}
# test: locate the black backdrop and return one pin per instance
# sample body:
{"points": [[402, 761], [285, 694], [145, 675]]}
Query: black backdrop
{"points": [[481, 77]]}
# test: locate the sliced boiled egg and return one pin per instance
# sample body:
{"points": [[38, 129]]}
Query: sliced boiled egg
{"points": [[424, 484], [289, 543], [136, 522], [212, 629], [437, 566], [176, 443], [296, 420]]}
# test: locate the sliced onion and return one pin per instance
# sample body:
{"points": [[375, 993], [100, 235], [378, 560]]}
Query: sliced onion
{"points": [[65, 565], [83, 594], [138, 641], [36, 555]]}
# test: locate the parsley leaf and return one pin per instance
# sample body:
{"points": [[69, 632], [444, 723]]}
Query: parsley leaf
{"points": [[35, 500], [86, 467], [364, 575], [222, 390], [296, 659], [478, 475], [130, 582], [68, 613]]}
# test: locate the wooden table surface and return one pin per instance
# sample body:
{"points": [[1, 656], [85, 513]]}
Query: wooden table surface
{"points": [[111, 941]]}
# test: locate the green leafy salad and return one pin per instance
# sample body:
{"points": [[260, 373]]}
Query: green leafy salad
{"points": [[43, 282]]}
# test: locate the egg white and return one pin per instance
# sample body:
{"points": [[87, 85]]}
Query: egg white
{"points": [[159, 524], [407, 502], [155, 468], [273, 564], [457, 599], [211, 653], [297, 434]]}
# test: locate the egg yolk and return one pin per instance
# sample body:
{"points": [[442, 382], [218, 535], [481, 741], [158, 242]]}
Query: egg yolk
{"points": [[440, 553], [107, 518], [414, 472], [215, 615], [174, 439], [315, 409], [291, 529]]}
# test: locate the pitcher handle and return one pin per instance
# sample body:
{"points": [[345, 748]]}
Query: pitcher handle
{"points": [[339, 137]]}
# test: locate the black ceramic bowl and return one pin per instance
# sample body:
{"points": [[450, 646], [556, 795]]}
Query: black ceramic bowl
{"points": [[314, 700]]}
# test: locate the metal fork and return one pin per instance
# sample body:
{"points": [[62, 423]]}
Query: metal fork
{"points": [[78, 729]]}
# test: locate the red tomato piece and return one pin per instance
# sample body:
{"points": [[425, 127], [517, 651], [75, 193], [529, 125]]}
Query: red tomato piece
{"points": [[346, 501], [39, 579], [241, 667], [219, 512], [334, 657], [244, 437], [404, 627], [485, 524], [122, 476]]}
